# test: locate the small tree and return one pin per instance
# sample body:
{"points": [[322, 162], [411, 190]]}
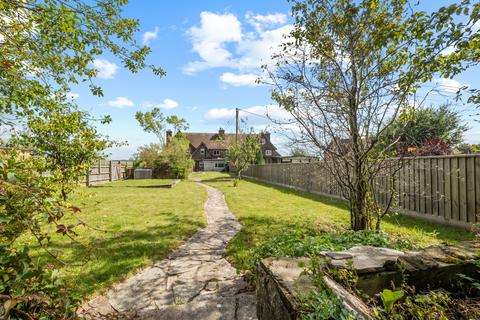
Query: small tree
{"points": [[242, 153], [179, 124], [69, 142], [46, 46], [175, 158], [298, 152], [427, 124], [153, 122], [147, 155], [171, 160], [350, 68], [259, 159]]}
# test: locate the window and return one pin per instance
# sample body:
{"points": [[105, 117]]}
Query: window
{"points": [[202, 151], [268, 152], [263, 140], [216, 152], [219, 165]]}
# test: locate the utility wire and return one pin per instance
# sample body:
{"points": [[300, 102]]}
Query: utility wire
{"points": [[255, 114]]}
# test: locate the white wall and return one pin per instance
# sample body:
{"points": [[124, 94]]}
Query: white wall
{"points": [[210, 166]]}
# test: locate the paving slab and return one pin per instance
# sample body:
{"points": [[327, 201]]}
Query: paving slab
{"points": [[194, 282]]}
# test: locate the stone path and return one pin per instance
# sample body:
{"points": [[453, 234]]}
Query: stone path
{"points": [[194, 282]]}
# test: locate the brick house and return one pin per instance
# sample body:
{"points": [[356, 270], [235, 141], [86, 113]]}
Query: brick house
{"points": [[208, 149]]}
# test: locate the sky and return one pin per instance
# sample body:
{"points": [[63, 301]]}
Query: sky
{"points": [[212, 52]]}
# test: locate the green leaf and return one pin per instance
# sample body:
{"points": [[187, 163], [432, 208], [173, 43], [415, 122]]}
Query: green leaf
{"points": [[389, 298]]}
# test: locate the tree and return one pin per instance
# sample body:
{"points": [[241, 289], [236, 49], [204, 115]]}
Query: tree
{"points": [[259, 159], [179, 124], [175, 158], [148, 154], [49, 45], [348, 70], [28, 201], [46, 47], [153, 122], [243, 153], [427, 124], [69, 142], [298, 152]]}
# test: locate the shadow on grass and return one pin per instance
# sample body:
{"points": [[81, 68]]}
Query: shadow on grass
{"points": [[448, 234], [146, 186], [98, 262], [218, 179]]}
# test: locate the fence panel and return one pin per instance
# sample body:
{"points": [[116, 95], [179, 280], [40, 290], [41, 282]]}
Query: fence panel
{"points": [[108, 170], [444, 189]]}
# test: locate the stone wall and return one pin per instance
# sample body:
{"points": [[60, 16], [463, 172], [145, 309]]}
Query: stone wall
{"points": [[282, 282], [279, 284]]}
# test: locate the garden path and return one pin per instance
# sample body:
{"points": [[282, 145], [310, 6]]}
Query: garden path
{"points": [[194, 282]]}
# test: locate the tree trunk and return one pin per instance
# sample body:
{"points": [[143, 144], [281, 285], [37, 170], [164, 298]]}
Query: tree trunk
{"points": [[358, 201]]}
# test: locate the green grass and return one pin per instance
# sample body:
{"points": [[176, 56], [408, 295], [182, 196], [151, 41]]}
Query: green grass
{"points": [[137, 183], [267, 211], [133, 227]]}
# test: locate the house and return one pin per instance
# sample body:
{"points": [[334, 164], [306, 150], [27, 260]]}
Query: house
{"points": [[208, 150]]}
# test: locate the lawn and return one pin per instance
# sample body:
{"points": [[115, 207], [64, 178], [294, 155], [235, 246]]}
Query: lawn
{"points": [[128, 228], [138, 183], [266, 211]]}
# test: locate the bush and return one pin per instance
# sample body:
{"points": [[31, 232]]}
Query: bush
{"points": [[147, 155], [170, 161], [176, 157], [299, 242], [29, 200]]}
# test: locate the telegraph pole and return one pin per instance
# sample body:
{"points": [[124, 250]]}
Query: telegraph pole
{"points": [[236, 125]]}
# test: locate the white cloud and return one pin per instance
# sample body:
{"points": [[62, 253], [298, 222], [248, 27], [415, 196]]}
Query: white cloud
{"points": [[261, 22], [121, 102], [257, 51], [220, 41], [165, 104], [72, 95], [276, 18], [210, 38], [448, 85], [472, 135], [149, 36], [168, 104], [238, 80], [106, 69]]}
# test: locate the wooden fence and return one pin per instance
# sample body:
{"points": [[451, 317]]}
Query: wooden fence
{"points": [[109, 170], [444, 189]]}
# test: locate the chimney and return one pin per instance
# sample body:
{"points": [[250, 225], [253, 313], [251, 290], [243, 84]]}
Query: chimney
{"points": [[169, 135], [266, 134], [221, 132]]}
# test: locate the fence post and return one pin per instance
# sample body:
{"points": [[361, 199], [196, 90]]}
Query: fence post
{"points": [[88, 178], [110, 171]]}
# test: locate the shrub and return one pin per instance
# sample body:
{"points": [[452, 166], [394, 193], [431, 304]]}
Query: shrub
{"points": [[170, 161], [28, 201]]}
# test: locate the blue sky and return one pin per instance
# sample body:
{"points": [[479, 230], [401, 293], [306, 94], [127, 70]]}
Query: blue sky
{"points": [[211, 51]]}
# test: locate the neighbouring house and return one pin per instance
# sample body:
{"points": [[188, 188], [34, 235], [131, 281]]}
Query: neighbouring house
{"points": [[208, 150]]}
